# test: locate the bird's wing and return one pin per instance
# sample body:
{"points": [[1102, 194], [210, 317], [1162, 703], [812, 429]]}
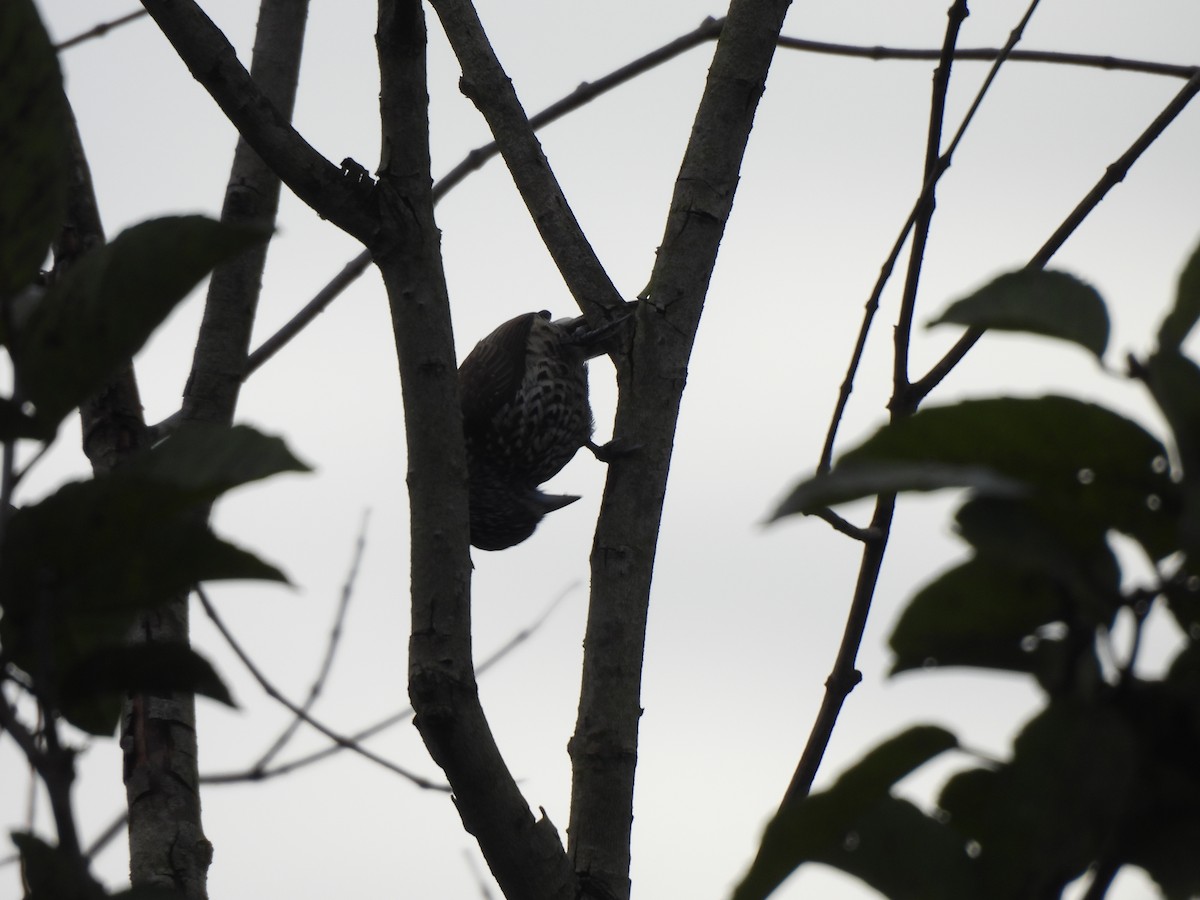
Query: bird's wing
{"points": [[492, 372]]}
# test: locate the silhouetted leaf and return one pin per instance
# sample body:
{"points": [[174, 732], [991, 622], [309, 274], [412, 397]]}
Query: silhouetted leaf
{"points": [[93, 689], [981, 613], [905, 854], [207, 460], [108, 304], [885, 477], [812, 828], [1107, 470], [1052, 542], [80, 565], [1174, 380], [15, 424], [1053, 304], [1182, 318], [34, 159], [1041, 819], [52, 873]]}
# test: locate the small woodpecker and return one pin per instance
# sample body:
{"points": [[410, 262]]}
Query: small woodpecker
{"points": [[525, 414]]}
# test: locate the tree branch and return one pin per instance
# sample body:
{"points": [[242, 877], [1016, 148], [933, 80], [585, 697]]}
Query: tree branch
{"points": [[100, 30], [525, 855], [604, 747], [212, 61], [987, 54], [331, 646], [1113, 175], [845, 676], [585, 93], [485, 83], [276, 695], [251, 199]]}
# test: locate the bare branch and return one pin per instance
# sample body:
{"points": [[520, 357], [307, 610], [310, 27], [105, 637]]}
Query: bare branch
{"points": [[866, 535], [213, 62], [1113, 175], [604, 747], [845, 676], [487, 85], [272, 692], [986, 54], [709, 29], [872, 306], [335, 635], [99, 30], [261, 774]]}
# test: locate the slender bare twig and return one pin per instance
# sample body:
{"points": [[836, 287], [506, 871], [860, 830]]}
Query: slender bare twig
{"points": [[1113, 175], [99, 30], [484, 891], [255, 773], [708, 30], [985, 54], [277, 696], [396, 718], [846, 527], [872, 305], [485, 83], [845, 676], [331, 646], [310, 311]]}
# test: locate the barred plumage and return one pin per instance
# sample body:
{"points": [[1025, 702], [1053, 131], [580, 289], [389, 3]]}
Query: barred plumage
{"points": [[525, 414]]}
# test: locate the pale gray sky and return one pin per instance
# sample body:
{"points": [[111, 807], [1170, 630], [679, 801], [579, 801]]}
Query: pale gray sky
{"points": [[745, 621]]}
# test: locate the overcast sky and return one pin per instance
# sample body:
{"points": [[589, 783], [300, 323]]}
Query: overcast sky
{"points": [[744, 620]]}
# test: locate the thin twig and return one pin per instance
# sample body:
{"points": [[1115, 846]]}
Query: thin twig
{"points": [[845, 676], [934, 160], [310, 311], [710, 29], [403, 715], [99, 30], [484, 891], [872, 304], [275, 695], [1114, 174], [845, 527], [486, 84], [984, 54], [331, 646]]}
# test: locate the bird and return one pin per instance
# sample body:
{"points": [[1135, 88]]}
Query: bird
{"points": [[525, 411]]}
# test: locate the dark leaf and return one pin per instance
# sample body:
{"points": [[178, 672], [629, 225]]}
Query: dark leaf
{"points": [[1043, 818], [981, 613], [52, 873], [1054, 304], [1162, 829], [207, 460], [1174, 381], [885, 477], [812, 828], [1108, 471], [905, 854], [108, 304], [1050, 543], [1182, 318], [34, 160], [15, 424], [92, 690], [81, 564]]}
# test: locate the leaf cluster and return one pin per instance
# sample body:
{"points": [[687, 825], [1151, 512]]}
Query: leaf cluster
{"points": [[1108, 772]]}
